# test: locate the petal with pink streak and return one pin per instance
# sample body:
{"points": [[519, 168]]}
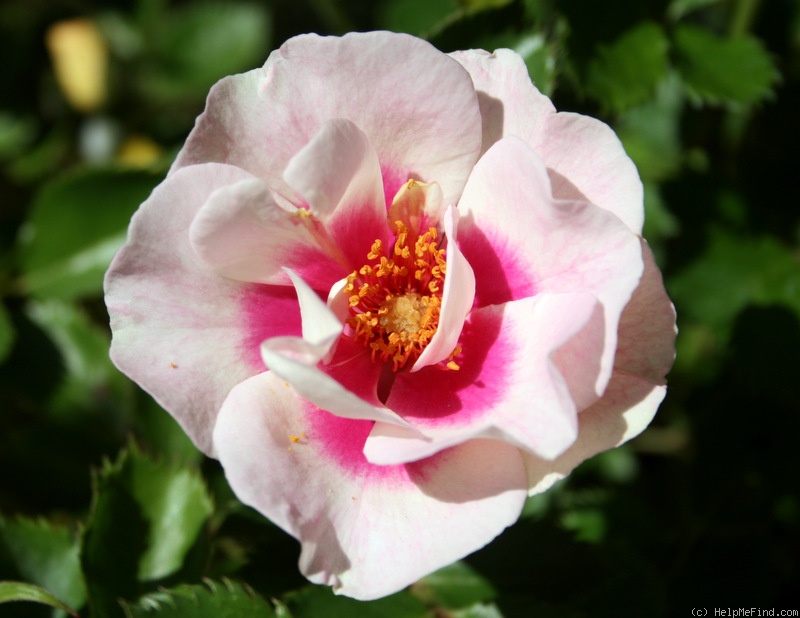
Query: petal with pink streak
{"points": [[338, 175], [320, 324], [584, 157], [521, 241], [242, 234], [508, 386], [179, 330], [294, 360], [637, 387], [336, 169], [366, 530], [457, 298], [416, 105]]}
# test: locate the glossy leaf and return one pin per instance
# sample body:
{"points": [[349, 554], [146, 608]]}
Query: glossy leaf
{"points": [[176, 505], [199, 43], [76, 226], [16, 133], [650, 132], [145, 518], [45, 555], [224, 599], [454, 587], [418, 17], [20, 591], [319, 602], [627, 72], [736, 71], [540, 57], [733, 273], [479, 610], [483, 5], [89, 377]]}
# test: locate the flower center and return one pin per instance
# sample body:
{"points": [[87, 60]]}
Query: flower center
{"points": [[395, 298]]}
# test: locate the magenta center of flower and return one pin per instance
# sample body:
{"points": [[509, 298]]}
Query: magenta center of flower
{"points": [[396, 297]]}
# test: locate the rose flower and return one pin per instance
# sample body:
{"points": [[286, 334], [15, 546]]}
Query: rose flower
{"points": [[394, 293]]}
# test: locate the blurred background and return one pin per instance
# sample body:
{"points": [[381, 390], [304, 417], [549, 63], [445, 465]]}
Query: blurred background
{"points": [[701, 511]]}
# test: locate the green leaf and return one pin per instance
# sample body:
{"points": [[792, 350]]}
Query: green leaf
{"points": [[145, 518], [484, 5], [453, 587], [176, 505], [43, 159], [320, 602], [717, 71], [588, 524], [735, 272], [16, 134], [627, 72], [77, 223], [198, 43], [540, 57], [418, 17], [90, 377], [479, 610], [46, 555], [162, 434], [224, 599], [20, 591], [650, 132], [7, 334], [659, 222]]}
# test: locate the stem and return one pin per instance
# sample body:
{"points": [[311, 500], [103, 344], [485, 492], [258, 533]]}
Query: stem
{"points": [[743, 15]]}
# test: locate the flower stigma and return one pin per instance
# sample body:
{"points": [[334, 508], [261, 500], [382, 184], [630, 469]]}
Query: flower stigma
{"points": [[396, 297]]}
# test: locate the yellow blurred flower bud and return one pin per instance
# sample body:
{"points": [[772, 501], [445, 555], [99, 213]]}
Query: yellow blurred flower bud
{"points": [[139, 151], [80, 61]]}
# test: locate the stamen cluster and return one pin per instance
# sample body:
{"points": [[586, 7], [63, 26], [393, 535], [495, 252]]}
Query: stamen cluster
{"points": [[396, 297]]}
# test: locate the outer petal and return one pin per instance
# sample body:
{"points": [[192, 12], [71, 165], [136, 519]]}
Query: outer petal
{"points": [[367, 530], [180, 331], [584, 157], [510, 103], [417, 106], [242, 234], [508, 386], [645, 354], [520, 241]]}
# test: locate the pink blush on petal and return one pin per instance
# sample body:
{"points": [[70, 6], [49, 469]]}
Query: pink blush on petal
{"points": [[267, 311], [342, 441], [354, 233], [500, 275], [435, 397], [316, 268]]}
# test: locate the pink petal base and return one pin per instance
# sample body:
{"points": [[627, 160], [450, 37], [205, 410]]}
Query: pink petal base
{"points": [[366, 530]]}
